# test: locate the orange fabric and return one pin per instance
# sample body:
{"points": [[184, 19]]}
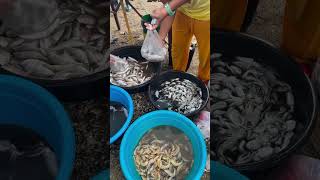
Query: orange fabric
{"points": [[183, 29], [301, 30], [228, 14]]}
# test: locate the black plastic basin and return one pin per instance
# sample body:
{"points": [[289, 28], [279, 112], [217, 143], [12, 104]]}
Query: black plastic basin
{"points": [[238, 44], [168, 75]]}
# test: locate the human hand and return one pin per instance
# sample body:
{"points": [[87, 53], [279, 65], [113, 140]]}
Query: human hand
{"points": [[159, 14], [151, 27]]}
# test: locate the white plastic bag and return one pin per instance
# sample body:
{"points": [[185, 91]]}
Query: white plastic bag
{"points": [[118, 64], [203, 123], [153, 49]]}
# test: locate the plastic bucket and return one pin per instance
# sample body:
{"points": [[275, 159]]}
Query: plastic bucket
{"points": [[26, 104], [223, 172], [169, 75], [233, 44], [119, 95], [160, 118], [146, 18]]}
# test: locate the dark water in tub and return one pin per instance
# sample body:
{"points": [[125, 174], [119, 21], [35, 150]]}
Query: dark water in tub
{"points": [[118, 116], [24, 155]]}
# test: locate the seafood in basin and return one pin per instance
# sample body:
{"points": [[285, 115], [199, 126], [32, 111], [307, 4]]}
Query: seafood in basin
{"points": [[128, 72], [252, 111], [163, 153], [180, 95], [73, 46]]}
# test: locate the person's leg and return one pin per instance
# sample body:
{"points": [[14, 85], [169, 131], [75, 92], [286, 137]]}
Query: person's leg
{"points": [[202, 32], [181, 40], [301, 30], [228, 14]]}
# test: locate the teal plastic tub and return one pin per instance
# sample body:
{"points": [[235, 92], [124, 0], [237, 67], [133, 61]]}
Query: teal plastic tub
{"points": [[23, 103], [159, 118], [222, 172], [119, 95]]}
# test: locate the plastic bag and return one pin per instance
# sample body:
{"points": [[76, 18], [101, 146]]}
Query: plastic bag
{"points": [[153, 49], [118, 64], [203, 123]]}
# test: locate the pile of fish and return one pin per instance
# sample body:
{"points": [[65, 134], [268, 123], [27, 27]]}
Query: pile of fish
{"points": [[251, 111], [158, 159], [181, 95], [74, 45], [128, 72]]}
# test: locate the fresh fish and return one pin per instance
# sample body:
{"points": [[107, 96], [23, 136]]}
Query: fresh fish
{"points": [[69, 44], [71, 72], [45, 43], [79, 55], [4, 42], [36, 68], [44, 33], [133, 74], [57, 59], [68, 17], [86, 19], [76, 32], [67, 32], [181, 95], [88, 10], [76, 37], [69, 68], [94, 57], [22, 55], [58, 34], [252, 111], [5, 57], [27, 46], [16, 43]]}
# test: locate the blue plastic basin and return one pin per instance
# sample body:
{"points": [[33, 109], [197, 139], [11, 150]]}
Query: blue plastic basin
{"points": [[26, 104], [119, 95], [159, 118]]}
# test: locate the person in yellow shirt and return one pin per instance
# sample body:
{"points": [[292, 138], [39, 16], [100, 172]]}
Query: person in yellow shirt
{"points": [[187, 18]]}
